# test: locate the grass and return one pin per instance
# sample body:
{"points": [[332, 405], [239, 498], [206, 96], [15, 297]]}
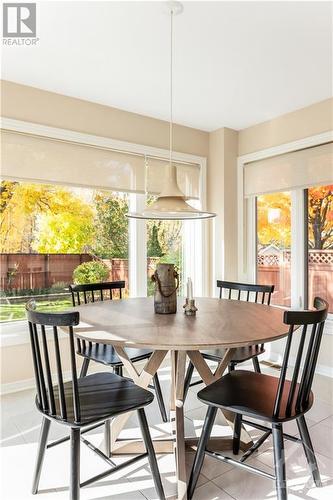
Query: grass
{"points": [[10, 312]]}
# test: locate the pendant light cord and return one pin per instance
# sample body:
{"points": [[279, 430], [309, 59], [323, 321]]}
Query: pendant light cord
{"points": [[171, 88]]}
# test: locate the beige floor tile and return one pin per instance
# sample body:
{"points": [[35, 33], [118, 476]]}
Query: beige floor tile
{"points": [[244, 485], [322, 439], [210, 491], [320, 410]]}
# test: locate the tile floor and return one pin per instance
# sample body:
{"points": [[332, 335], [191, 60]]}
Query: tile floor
{"points": [[218, 481]]}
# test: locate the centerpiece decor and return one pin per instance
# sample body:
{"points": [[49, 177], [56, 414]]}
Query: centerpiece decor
{"points": [[166, 281]]}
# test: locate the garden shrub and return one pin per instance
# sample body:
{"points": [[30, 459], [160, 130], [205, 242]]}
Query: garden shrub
{"points": [[90, 272]]}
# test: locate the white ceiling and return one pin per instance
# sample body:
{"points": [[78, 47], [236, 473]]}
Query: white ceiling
{"points": [[236, 63]]}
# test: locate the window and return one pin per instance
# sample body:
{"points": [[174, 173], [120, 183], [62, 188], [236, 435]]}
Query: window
{"points": [[287, 201], [164, 242], [115, 169], [47, 231], [319, 259], [274, 244]]}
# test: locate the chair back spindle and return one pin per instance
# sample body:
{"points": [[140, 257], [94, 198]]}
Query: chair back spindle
{"points": [[87, 291], [39, 325], [252, 291], [299, 388], [255, 292]]}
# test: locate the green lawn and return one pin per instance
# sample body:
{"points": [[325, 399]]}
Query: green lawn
{"points": [[10, 312]]}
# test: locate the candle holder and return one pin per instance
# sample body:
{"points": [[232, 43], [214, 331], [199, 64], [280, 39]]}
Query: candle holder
{"points": [[190, 308]]}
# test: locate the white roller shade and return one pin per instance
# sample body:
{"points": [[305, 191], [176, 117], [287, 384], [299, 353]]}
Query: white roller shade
{"points": [[32, 158], [38, 159], [300, 169], [188, 177]]}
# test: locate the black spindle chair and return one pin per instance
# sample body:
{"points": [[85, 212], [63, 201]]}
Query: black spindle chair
{"points": [[255, 293], [271, 399], [81, 404], [105, 353]]}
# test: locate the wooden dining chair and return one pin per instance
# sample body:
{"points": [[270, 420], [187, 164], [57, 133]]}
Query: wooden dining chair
{"points": [[105, 353], [244, 291], [80, 404], [271, 399]]}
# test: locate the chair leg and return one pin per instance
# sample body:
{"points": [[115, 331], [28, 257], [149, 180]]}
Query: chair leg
{"points": [[159, 397], [231, 367], [44, 432], [74, 477], [200, 453], [237, 433], [308, 450], [84, 367], [107, 437], [151, 453], [279, 462], [188, 378], [256, 364]]}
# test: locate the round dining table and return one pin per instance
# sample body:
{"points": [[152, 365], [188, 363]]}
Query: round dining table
{"points": [[218, 323]]}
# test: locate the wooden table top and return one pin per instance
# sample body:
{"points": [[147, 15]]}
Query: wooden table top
{"points": [[218, 323]]}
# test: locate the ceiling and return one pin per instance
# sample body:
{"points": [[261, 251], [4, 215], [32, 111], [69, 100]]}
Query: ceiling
{"points": [[235, 63]]}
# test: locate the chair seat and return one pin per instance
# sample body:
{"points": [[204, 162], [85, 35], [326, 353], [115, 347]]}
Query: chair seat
{"points": [[242, 353], [102, 396], [105, 353], [251, 394]]}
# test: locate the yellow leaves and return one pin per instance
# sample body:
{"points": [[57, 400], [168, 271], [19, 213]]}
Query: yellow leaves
{"points": [[274, 219], [37, 216]]}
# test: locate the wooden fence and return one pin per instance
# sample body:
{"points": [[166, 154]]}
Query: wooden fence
{"points": [[37, 271], [275, 269]]}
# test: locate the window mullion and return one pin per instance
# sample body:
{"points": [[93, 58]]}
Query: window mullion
{"points": [[297, 249]]}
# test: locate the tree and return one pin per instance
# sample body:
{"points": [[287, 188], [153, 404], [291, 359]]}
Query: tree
{"points": [[320, 217], [154, 248], [68, 230], [111, 225], [40, 217]]}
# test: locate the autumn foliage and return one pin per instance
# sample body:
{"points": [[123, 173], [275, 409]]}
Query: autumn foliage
{"points": [[274, 218]]}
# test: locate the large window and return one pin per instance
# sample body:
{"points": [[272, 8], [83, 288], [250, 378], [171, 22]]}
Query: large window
{"points": [[47, 231], [274, 244], [287, 200]]}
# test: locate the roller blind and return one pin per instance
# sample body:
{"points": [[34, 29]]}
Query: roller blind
{"points": [[39, 159], [300, 169]]}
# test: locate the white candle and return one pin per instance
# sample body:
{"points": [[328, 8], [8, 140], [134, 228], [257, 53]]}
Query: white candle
{"points": [[189, 289]]}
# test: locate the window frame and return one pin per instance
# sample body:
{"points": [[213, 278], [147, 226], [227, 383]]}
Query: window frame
{"points": [[247, 231]]}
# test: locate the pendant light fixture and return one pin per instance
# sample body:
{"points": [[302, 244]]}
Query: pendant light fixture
{"points": [[171, 202]]}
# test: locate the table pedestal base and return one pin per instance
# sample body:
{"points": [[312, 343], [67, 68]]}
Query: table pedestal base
{"points": [[178, 442], [163, 446]]}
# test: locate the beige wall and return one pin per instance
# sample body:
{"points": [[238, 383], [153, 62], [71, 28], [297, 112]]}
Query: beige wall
{"points": [[304, 122], [38, 106], [221, 196]]}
